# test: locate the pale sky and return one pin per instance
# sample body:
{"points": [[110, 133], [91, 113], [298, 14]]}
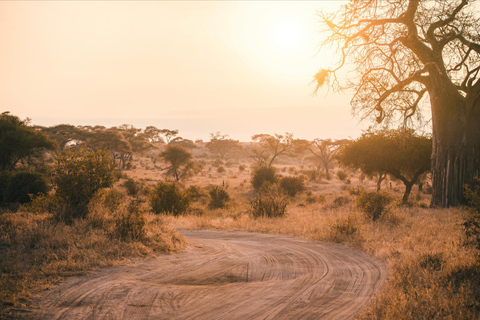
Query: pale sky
{"points": [[239, 67]]}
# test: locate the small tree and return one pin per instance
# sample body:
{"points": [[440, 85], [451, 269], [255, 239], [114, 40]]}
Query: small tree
{"points": [[263, 176], [292, 185], [400, 153], [179, 161], [220, 145], [270, 147], [324, 151], [79, 174], [19, 141]]}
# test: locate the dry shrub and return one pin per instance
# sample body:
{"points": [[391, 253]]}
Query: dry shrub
{"points": [[219, 197], [269, 202], [132, 186], [374, 204], [166, 197], [344, 227], [342, 175], [292, 185], [130, 224], [263, 176]]}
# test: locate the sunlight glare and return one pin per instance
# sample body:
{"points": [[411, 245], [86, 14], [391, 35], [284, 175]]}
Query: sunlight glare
{"points": [[287, 34]]}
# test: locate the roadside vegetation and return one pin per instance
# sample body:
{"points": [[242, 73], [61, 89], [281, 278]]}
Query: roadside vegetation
{"points": [[78, 211]]}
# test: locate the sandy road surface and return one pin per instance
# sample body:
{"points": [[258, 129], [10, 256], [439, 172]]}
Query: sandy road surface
{"points": [[225, 275]]}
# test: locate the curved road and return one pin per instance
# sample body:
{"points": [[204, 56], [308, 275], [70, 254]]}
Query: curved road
{"points": [[225, 275]]}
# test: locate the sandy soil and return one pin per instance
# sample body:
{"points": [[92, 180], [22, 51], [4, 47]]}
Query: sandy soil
{"points": [[225, 275]]}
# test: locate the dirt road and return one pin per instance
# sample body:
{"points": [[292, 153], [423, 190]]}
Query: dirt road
{"points": [[225, 275]]}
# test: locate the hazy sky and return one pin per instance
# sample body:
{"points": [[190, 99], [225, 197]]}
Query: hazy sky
{"points": [[239, 67]]}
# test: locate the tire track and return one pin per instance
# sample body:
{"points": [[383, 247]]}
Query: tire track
{"points": [[225, 275]]}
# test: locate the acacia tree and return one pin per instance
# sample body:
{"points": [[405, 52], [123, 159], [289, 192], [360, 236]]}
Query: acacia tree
{"points": [[20, 141], [179, 161], [270, 147], [221, 145], [324, 151], [400, 153], [406, 52]]}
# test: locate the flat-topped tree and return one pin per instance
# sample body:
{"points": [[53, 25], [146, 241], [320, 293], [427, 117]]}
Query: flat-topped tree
{"points": [[400, 153], [409, 55], [20, 141], [270, 147], [221, 145]]}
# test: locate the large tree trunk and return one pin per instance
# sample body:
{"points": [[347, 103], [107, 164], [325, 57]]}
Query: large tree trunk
{"points": [[456, 147]]}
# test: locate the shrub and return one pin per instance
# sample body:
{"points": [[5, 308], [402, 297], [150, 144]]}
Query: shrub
{"points": [[221, 169], [472, 224], [374, 204], [166, 197], [340, 202], [241, 168], [269, 202], [194, 193], [292, 185], [19, 187], [132, 186], [219, 197], [79, 174], [5, 177], [112, 199], [263, 176], [130, 225], [342, 175]]}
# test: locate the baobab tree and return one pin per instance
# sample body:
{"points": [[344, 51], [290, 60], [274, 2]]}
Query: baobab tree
{"points": [[409, 55]]}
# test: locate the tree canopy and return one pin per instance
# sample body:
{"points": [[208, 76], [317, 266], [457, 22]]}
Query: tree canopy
{"points": [[179, 161], [407, 55], [221, 145], [400, 153], [19, 141]]}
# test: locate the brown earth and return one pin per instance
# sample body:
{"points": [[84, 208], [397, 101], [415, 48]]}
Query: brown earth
{"points": [[225, 275]]}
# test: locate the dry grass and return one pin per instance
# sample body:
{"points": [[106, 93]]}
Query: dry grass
{"points": [[38, 251], [433, 275]]}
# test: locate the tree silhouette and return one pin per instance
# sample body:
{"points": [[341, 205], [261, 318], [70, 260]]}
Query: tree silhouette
{"points": [[19, 141], [270, 147], [406, 52], [179, 161], [220, 145], [399, 153]]}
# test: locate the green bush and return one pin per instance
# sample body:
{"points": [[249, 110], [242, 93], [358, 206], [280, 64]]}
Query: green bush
{"points": [[292, 185], [263, 176], [166, 197], [130, 225], [374, 204], [79, 174], [23, 184], [219, 197], [270, 202]]}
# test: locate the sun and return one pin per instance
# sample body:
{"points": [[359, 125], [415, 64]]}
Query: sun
{"points": [[287, 34]]}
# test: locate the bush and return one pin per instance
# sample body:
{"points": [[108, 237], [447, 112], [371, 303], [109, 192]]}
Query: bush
{"points": [[292, 185], [241, 168], [194, 193], [132, 186], [263, 176], [221, 169], [112, 199], [342, 175], [24, 184], [166, 197], [218, 197], [130, 225], [79, 174], [374, 204], [472, 224], [5, 177], [269, 202]]}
